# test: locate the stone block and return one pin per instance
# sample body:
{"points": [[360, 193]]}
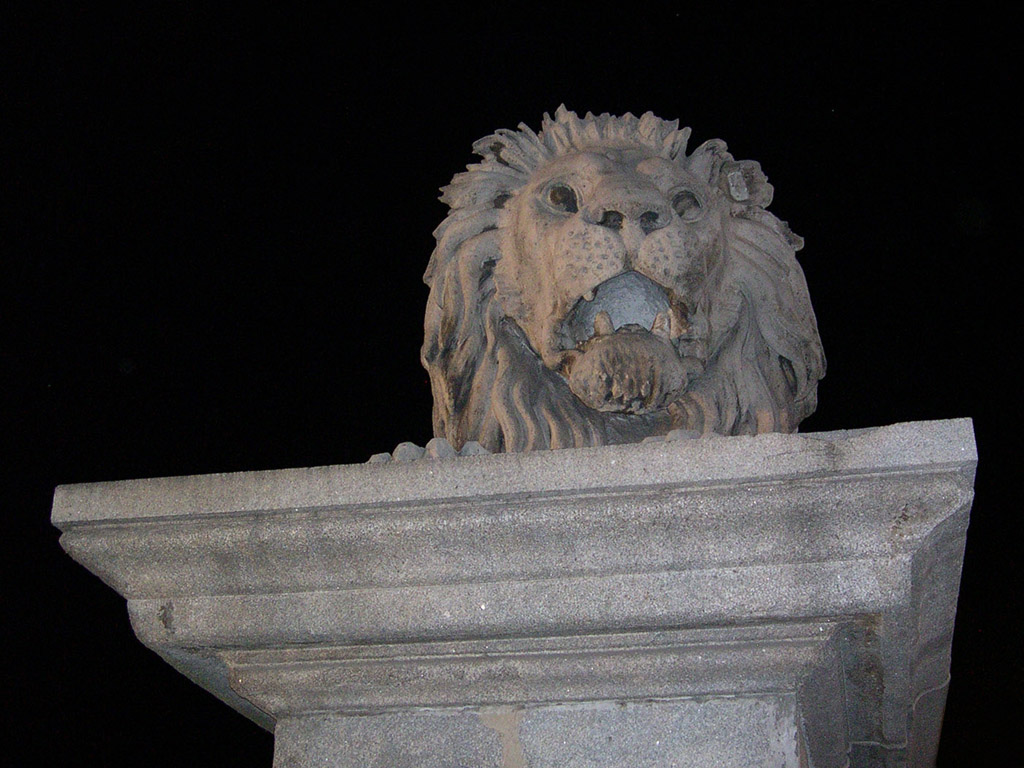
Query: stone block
{"points": [[779, 599]]}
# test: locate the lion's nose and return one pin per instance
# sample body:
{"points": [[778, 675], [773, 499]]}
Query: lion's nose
{"points": [[613, 207], [611, 219], [649, 220]]}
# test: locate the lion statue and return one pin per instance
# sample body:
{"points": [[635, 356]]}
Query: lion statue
{"points": [[594, 284]]}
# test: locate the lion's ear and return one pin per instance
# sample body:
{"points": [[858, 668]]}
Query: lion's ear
{"points": [[707, 160]]}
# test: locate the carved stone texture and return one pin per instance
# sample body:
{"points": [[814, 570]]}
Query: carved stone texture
{"points": [[595, 284], [780, 600]]}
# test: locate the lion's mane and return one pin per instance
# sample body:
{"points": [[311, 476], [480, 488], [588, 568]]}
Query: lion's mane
{"points": [[764, 357]]}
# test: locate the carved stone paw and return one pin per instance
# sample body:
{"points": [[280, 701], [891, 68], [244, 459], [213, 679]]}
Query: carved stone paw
{"points": [[673, 435], [436, 448], [629, 371]]}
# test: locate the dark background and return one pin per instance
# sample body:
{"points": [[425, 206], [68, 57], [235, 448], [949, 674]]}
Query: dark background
{"points": [[214, 230]]}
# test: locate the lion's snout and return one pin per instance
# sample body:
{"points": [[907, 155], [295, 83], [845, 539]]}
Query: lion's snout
{"points": [[622, 199]]}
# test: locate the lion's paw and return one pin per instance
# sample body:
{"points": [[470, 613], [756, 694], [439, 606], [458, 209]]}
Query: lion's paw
{"points": [[436, 448], [407, 452], [673, 435], [439, 448], [629, 371]]}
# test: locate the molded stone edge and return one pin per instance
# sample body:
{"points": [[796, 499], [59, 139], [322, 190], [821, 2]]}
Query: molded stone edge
{"points": [[707, 461], [614, 573]]}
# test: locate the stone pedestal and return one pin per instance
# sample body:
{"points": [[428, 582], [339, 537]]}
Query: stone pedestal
{"points": [[774, 600]]}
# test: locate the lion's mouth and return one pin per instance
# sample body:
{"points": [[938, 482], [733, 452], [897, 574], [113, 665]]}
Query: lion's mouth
{"points": [[627, 301], [628, 346]]}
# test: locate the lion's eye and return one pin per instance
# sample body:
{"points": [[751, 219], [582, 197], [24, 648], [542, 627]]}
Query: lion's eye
{"points": [[687, 205], [563, 198]]}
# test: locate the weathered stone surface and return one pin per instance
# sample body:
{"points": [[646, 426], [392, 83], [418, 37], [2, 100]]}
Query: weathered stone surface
{"points": [[594, 284], [802, 587], [407, 452], [439, 448], [390, 740], [685, 733]]}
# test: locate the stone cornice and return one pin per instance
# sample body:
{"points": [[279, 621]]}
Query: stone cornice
{"points": [[761, 565]]}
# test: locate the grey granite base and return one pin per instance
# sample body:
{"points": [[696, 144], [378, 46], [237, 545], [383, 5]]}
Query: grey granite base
{"points": [[684, 733], [774, 600]]}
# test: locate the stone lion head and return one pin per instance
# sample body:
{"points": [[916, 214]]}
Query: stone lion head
{"points": [[593, 284]]}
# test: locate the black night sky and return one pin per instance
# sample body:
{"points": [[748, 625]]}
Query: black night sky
{"points": [[214, 230]]}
